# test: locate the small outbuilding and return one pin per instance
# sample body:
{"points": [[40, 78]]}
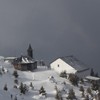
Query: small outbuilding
{"points": [[10, 59], [93, 79]]}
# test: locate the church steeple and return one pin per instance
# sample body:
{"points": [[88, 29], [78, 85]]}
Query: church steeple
{"points": [[30, 51]]}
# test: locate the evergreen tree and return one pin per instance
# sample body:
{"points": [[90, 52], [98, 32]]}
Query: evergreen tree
{"points": [[15, 73], [16, 81], [96, 75], [31, 85], [92, 72], [94, 86], [11, 96], [81, 89], [98, 95], [15, 98], [58, 96], [81, 81], [71, 95], [42, 91], [0, 72], [89, 91], [86, 97], [73, 79], [5, 87], [3, 70], [83, 95], [56, 88], [23, 88]]}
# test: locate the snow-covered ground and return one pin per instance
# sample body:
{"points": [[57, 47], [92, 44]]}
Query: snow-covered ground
{"points": [[40, 77]]}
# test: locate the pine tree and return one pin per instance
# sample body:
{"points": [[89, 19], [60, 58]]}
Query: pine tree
{"points": [[81, 89], [98, 95], [73, 79], [83, 95], [94, 86], [96, 75], [16, 81], [0, 72], [15, 98], [15, 73], [23, 88], [5, 87], [31, 85], [58, 96], [92, 72], [71, 94], [89, 91], [86, 97], [3, 70], [56, 88], [42, 91], [81, 81]]}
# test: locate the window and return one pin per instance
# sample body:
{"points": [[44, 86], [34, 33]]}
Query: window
{"points": [[58, 65]]}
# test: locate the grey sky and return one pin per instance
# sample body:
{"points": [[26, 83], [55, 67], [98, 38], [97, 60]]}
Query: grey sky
{"points": [[53, 27]]}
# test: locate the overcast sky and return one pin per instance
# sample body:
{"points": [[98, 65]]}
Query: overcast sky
{"points": [[53, 27]]}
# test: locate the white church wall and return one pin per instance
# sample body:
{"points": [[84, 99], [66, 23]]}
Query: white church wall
{"points": [[59, 65]]}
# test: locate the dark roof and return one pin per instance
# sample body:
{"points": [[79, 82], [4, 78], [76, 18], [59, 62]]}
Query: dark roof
{"points": [[24, 60], [74, 62]]}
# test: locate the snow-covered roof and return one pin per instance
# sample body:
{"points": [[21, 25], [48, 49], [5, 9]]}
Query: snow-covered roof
{"points": [[74, 62], [10, 58], [24, 60], [93, 78]]}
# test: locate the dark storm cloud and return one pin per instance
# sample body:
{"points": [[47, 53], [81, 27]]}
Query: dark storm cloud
{"points": [[53, 27]]}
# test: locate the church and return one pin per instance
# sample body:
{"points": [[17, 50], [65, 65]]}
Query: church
{"points": [[25, 63], [71, 65]]}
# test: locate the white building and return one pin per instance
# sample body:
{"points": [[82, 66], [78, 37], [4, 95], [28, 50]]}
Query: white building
{"points": [[70, 64], [9, 59]]}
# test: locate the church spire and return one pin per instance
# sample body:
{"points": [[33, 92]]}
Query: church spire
{"points": [[30, 51]]}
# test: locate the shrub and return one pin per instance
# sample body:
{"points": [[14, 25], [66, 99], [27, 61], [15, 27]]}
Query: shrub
{"points": [[63, 74], [5, 87]]}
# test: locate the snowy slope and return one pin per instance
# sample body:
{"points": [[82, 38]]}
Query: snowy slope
{"points": [[40, 77]]}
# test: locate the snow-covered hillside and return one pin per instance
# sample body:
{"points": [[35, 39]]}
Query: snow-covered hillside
{"points": [[40, 77]]}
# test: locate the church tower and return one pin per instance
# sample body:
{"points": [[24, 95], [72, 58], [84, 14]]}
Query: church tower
{"points": [[30, 51]]}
